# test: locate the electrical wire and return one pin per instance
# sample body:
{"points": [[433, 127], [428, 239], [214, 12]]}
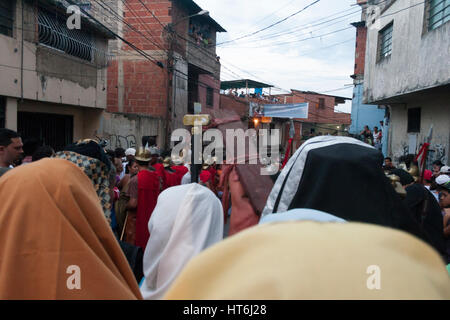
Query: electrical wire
{"points": [[272, 25]]}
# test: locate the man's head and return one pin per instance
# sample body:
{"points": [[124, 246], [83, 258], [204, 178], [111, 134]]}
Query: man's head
{"points": [[119, 153], [437, 165], [388, 162], [443, 186], [10, 147], [375, 129], [118, 165], [445, 170], [130, 153]]}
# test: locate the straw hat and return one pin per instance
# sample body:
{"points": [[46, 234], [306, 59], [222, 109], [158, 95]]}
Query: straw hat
{"points": [[143, 155], [167, 162]]}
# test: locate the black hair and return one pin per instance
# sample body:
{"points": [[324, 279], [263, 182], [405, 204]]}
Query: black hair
{"points": [[119, 152], [42, 152], [129, 165], [388, 158], [438, 163], [143, 163], [6, 135], [408, 160], [30, 146]]}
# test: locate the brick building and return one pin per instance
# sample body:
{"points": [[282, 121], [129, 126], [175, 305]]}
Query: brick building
{"points": [[363, 114], [149, 95], [322, 117]]}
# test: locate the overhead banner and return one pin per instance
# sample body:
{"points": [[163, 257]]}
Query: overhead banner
{"points": [[295, 110]]}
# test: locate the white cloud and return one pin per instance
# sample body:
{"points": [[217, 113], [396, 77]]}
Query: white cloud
{"points": [[305, 65]]}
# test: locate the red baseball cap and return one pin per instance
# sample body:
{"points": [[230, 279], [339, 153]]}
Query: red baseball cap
{"points": [[205, 176], [427, 175]]}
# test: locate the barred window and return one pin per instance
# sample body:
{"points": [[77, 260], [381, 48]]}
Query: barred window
{"points": [[7, 17], [385, 37], [438, 14], [54, 33]]}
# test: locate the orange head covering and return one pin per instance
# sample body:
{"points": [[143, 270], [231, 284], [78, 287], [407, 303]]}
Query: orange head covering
{"points": [[55, 241]]}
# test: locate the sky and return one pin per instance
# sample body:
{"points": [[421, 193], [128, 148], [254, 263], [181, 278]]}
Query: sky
{"points": [[285, 55]]}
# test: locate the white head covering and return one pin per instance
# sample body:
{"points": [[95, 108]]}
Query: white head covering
{"points": [[301, 215], [130, 152], [186, 220]]}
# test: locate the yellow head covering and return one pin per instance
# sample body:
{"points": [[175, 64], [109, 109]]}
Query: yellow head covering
{"points": [[310, 260], [55, 241]]}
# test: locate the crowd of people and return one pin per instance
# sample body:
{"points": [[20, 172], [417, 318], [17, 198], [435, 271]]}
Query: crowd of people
{"points": [[374, 138], [135, 226]]}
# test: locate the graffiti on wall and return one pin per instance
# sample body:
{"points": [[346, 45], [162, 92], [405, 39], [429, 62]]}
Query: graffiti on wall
{"points": [[117, 141], [436, 152]]}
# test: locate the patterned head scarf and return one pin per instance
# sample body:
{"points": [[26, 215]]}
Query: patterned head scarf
{"points": [[98, 171]]}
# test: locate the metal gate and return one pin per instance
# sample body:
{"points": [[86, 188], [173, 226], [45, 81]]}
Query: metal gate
{"points": [[53, 130]]}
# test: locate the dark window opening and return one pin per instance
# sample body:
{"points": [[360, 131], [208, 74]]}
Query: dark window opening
{"points": [[7, 17], [414, 120], [322, 102], [54, 130], [209, 97]]}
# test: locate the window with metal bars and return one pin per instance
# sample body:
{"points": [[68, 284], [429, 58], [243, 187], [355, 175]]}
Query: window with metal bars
{"points": [[7, 17], [438, 13], [385, 40], [54, 33]]}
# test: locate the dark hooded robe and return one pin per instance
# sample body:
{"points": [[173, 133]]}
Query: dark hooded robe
{"points": [[344, 177]]}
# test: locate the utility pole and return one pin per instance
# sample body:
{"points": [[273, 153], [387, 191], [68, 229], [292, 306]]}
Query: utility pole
{"points": [[196, 121], [170, 84]]}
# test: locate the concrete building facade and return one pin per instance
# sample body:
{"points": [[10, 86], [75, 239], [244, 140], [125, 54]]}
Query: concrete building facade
{"points": [[407, 68], [53, 80], [362, 114]]}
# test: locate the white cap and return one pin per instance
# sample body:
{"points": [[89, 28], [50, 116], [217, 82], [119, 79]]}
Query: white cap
{"points": [[442, 179], [130, 152], [445, 169]]}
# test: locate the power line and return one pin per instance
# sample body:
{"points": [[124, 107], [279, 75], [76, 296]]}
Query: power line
{"points": [[301, 28], [272, 25], [159, 64], [296, 41], [121, 19], [139, 18]]}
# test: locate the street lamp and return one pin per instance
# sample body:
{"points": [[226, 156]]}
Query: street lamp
{"points": [[200, 13]]}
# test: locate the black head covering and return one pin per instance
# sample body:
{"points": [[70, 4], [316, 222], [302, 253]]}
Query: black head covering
{"points": [[344, 177], [427, 213], [91, 149], [405, 177]]}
